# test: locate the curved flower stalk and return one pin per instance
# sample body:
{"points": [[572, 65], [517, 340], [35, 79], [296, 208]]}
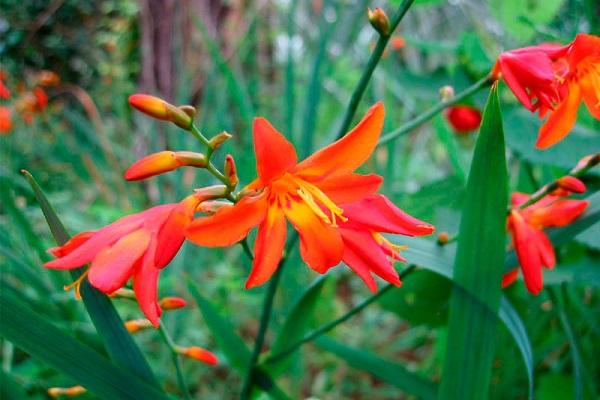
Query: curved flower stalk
{"points": [[553, 80], [526, 225], [310, 194]]}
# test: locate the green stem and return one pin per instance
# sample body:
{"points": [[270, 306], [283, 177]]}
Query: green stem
{"points": [[370, 67], [330, 325], [262, 330], [552, 186], [176, 361], [426, 116]]}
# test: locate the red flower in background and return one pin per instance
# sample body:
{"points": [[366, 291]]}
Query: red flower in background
{"points": [[553, 80], [5, 120], [533, 247], [137, 246], [4, 91], [463, 118]]}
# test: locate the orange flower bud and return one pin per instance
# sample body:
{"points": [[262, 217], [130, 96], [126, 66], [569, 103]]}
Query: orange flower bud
{"points": [[5, 120], [571, 184], [163, 161], [379, 20], [397, 42], [216, 141], [136, 325], [160, 109], [198, 353], [172, 303], [588, 161], [231, 171], [73, 391], [443, 238]]}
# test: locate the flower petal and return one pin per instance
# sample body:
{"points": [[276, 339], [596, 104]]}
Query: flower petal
{"points": [[112, 267], [229, 224], [145, 285], [348, 188], [590, 89], [559, 213], [524, 239], [510, 277], [321, 245], [379, 214], [268, 248], [275, 155], [348, 153], [546, 250], [561, 120], [359, 267], [71, 244], [171, 234]]}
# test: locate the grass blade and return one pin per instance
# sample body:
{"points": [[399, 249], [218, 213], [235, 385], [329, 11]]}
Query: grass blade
{"points": [[478, 265], [118, 342]]}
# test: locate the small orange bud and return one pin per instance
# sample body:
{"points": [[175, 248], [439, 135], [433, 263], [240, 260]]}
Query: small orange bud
{"points": [[172, 303], [198, 353], [163, 161], [231, 171], [160, 109], [463, 118], [398, 43], [571, 184], [73, 391], [136, 325], [443, 238], [216, 141], [379, 20], [5, 120], [588, 161]]}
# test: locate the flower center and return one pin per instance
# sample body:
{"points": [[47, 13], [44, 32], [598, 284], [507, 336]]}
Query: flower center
{"points": [[318, 202]]}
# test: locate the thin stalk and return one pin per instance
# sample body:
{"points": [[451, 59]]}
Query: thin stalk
{"points": [[576, 172], [330, 325], [426, 116], [176, 361], [370, 67]]}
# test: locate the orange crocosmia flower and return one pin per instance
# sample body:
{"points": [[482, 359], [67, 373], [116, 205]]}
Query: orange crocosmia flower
{"points": [[4, 91], [397, 42], [137, 246], [463, 118], [5, 120], [366, 251], [553, 80], [41, 99], [533, 247], [307, 193]]}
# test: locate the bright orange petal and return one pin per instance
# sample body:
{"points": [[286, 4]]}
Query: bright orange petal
{"points": [[71, 244], [348, 188], [559, 213], [590, 89], [268, 248], [229, 224], [321, 245], [348, 153], [275, 155], [525, 242], [510, 277], [546, 250], [561, 120], [145, 285], [113, 266]]}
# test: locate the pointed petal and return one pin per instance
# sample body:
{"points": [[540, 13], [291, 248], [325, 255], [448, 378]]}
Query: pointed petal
{"points": [[510, 277], [71, 244], [113, 266], [546, 250], [379, 214], [348, 153], [321, 245], [525, 242], [561, 120], [358, 266], [559, 213], [145, 285], [229, 224], [590, 89], [347, 188], [275, 155], [171, 233], [268, 248]]}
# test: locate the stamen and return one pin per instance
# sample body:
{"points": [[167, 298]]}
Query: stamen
{"points": [[77, 285], [308, 199], [310, 192], [393, 248]]}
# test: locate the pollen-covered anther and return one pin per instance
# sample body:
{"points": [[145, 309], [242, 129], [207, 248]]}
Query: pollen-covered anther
{"points": [[309, 193], [77, 285]]}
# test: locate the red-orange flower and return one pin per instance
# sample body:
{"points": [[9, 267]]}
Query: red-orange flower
{"points": [[309, 194], [554, 80], [137, 246], [463, 118], [366, 251], [5, 120], [4, 91], [533, 247]]}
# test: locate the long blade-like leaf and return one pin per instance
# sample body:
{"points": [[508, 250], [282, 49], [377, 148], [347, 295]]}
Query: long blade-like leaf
{"points": [[32, 333], [118, 342], [478, 265]]}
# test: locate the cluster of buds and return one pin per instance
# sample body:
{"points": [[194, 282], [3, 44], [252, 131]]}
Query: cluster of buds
{"points": [[26, 101], [166, 304]]}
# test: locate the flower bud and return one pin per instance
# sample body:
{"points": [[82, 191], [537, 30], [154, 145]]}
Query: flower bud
{"points": [[189, 110], [463, 118], [160, 109], [398, 42], [164, 161], [571, 184], [588, 162], [443, 238], [231, 171], [211, 192], [172, 303], [379, 20], [216, 141], [446, 93], [73, 391], [136, 325], [198, 353]]}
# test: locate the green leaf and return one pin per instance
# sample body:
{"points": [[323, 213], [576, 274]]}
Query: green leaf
{"points": [[32, 333], [521, 18], [296, 325], [387, 371], [478, 265], [10, 388], [118, 342]]}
